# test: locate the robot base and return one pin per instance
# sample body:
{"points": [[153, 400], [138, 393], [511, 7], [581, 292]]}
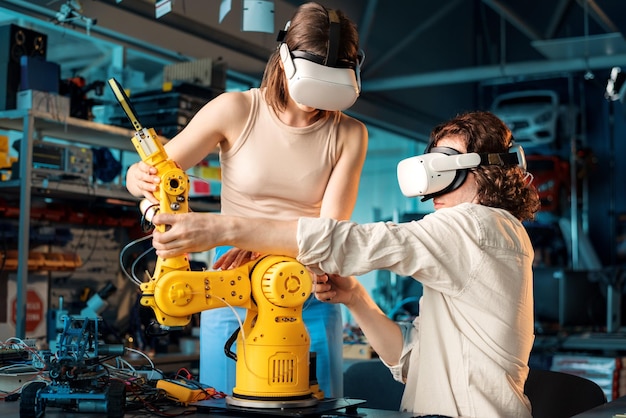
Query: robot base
{"points": [[270, 403], [320, 407]]}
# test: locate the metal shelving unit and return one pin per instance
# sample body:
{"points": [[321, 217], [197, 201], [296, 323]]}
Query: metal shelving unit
{"points": [[37, 125]]}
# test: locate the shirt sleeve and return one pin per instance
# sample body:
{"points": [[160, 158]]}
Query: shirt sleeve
{"points": [[410, 335], [421, 249], [347, 248]]}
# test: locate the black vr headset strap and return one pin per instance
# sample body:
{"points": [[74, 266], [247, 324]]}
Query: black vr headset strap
{"points": [[280, 37], [503, 158], [332, 52], [506, 158], [334, 32]]}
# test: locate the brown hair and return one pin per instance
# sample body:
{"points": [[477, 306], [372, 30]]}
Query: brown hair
{"points": [[504, 187], [308, 31]]}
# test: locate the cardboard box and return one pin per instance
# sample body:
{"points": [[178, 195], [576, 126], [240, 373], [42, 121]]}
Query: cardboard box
{"points": [[604, 371], [358, 351], [40, 101]]}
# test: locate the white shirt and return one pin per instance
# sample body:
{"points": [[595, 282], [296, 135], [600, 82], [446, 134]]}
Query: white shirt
{"points": [[467, 353]]}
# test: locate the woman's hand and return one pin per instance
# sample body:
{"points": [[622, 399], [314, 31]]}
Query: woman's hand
{"points": [[333, 288], [234, 258], [141, 180], [184, 233]]}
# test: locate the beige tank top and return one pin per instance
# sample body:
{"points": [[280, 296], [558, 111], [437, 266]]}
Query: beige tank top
{"points": [[276, 171]]}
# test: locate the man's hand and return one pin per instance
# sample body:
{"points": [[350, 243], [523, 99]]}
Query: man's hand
{"points": [[333, 288], [381, 332]]}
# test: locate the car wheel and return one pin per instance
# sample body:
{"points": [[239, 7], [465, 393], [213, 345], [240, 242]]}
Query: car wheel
{"points": [[31, 406]]}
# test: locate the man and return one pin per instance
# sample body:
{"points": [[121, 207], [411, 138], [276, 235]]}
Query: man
{"points": [[466, 355]]}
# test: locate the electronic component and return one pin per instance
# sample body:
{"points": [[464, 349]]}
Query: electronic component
{"points": [[12, 355], [55, 160], [78, 377]]}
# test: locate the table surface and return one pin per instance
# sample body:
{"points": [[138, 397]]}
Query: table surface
{"points": [[608, 410], [11, 409], [611, 409]]}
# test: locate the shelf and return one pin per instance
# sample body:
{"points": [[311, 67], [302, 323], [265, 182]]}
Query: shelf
{"points": [[88, 133], [586, 341], [111, 194], [596, 341], [68, 190], [32, 184], [68, 128]]}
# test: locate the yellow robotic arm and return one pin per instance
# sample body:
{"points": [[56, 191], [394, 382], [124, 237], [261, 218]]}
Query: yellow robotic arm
{"points": [[273, 343], [273, 355]]}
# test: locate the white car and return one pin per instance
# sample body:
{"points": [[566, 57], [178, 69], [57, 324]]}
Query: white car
{"points": [[531, 115]]}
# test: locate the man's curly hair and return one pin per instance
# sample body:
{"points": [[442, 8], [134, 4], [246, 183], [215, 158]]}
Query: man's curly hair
{"points": [[504, 187]]}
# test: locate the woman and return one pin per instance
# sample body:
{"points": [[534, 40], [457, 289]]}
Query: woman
{"points": [[280, 159]]}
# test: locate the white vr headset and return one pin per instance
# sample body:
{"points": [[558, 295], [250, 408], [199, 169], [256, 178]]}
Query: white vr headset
{"points": [[444, 169], [317, 85], [324, 83]]}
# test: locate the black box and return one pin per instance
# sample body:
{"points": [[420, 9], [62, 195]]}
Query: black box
{"points": [[15, 42], [568, 298]]}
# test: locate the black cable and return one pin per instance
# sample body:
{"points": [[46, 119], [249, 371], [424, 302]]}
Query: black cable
{"points": [[229, 343]]}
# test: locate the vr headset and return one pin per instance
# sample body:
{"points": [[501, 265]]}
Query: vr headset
{"points": [[324, 83], [443, 169]]}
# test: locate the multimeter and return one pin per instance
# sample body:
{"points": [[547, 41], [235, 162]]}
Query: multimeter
{"points": [[185, 392]]}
